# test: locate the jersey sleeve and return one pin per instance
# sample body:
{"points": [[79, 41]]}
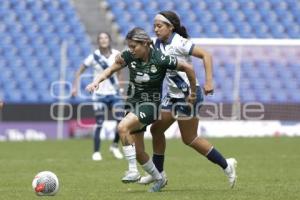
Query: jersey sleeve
{"points": [[168, 61], [88, 61], [127, 56], [186, 46]]}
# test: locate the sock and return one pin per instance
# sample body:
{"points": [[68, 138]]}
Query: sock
{"points": [[158, 161], [117, 137], [97, 140], [130, 155], [150, 168], [215, 157]]}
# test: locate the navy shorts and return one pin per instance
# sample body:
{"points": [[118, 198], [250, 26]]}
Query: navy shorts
{"points": [[180, 108]]}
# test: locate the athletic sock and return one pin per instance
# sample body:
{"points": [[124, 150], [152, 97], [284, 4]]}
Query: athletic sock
{"points": [[217, 158], [158, 161], [130, 155], [150, 168], [97, 140]]}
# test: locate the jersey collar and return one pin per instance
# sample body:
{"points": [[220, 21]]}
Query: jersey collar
{"points": [[169, 40]]}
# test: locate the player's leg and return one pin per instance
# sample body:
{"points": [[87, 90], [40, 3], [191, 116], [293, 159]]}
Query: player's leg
{"points": [[128, 124], [118, 112], [147, 164], [114, 147], [97, 140], [100, 113], [158, 144], [158, 138], [188, 129]]}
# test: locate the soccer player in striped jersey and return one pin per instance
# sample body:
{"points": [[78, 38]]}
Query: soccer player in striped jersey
{"points": [[172, 40], [147, 69], [107, 94]]}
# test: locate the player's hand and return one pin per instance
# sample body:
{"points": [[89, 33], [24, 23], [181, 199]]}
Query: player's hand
{"points": [[192, 98], [74, 92], [208, 88], [92, 87]]}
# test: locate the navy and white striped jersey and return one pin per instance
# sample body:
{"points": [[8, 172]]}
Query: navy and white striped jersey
{"points": [[99, 63], [181, 48]]}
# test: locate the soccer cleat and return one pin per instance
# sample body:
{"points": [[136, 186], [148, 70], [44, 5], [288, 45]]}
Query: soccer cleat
{"points": [[116, 152], [145, 180], [131, 177], [97, 156], [158, 185], [230, 171]]}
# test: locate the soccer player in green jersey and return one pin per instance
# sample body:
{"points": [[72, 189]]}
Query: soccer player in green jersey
{"points": [[147, 69]]}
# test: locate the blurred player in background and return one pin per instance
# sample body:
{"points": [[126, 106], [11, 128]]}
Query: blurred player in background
{"points": [[172, 40], [147, 68], [106, 95]]}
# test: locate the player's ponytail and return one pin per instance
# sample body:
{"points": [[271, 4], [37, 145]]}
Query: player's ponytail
{"points": [[182, 31]]}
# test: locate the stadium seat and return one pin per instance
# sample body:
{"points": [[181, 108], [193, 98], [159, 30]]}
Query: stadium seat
{"points": [[57, 20], [33, 31]]}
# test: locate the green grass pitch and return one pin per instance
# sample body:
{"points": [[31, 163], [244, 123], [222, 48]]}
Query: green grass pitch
{"points": [[268, 168]]}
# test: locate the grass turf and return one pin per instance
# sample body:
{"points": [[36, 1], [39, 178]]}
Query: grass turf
{"points": [[268, 168]]}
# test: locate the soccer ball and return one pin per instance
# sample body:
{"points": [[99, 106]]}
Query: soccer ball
{"points": [[45, 183]]}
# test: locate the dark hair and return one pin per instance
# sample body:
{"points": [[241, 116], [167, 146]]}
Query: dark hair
{"points": [[139, 35], [175, 20]]}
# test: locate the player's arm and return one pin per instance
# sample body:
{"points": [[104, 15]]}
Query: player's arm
{"points": [[80, 71], [207, 61], [188, 69], [120, 78], [108, 72]]}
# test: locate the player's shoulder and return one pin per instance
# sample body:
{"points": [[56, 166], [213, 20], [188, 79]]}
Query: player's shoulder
{"points": [[96, 52], [127, 55], [126, 52], [178, 40]]}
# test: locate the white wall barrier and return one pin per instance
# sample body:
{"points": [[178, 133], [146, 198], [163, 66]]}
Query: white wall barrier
{"points": [[224, 129]]}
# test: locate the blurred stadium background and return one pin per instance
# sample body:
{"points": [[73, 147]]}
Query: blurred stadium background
{"points": [[255, 46], [256, 52]]}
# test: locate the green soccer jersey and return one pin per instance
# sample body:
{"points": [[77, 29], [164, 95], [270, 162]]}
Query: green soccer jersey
{"points": [[146, 78]]}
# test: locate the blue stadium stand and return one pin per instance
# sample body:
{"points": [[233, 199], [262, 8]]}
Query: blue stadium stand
{"points": [[264, 81], [32, 32], [31, 36]]}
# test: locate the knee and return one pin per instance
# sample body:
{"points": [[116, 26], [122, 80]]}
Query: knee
{"points": [[122, 129], [188, 140], [156, 132]]}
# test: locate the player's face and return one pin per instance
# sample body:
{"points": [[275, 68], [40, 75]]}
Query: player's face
{"points": [[138, 49], [162, 30], [103, 40]]}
